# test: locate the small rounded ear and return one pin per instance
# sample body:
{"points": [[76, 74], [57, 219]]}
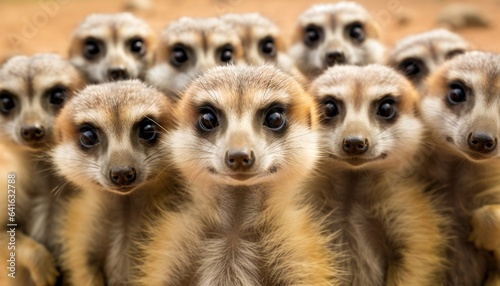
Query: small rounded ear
{"points": [[373, 29]]}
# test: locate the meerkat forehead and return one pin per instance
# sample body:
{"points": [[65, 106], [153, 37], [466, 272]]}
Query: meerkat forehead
{"points": [[253, 21], [112, 26], [115, 105], [477, 70], [192, 30], [362, 85], [29, 75], [341, 12], [242, 89], [435, 41]]}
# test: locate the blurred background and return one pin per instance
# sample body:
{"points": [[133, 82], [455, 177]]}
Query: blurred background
{"points": [[33, 26]]}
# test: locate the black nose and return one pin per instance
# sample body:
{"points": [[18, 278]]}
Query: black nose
{"points": [[117, 74], [355, 145], [481, 142], [32, 133], [239, 159], [122, 176], [335, 58]]}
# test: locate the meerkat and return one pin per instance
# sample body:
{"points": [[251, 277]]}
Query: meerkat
{"points": [[461, 109], [261, 39], [387, 228], [32, 92], [420, 55], [244, 142], [108, 145], [326, 35], [111, 47], [189, 47]]}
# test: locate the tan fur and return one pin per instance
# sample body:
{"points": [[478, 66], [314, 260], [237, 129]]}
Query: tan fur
{"points": [[40, 196], [202, 40], [255, 30], [468, 178], [114, 34], [420, 55], [248, 231], [334, 22], [387, 228], [105, 221]]}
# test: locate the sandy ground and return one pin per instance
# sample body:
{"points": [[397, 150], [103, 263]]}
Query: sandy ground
{"points": [[33, 26]]}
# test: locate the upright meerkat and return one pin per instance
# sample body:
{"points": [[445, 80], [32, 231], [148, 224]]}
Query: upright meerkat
{"points": [[418, 56], [387, 228], [461, 109], [188, 48], [261, 39], [245, 141], [110, 47], [32, 91], [108, 145], [335, 34]]}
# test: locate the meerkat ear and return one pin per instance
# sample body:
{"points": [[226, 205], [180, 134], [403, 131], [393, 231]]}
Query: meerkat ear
{"points": [[373, 29]]}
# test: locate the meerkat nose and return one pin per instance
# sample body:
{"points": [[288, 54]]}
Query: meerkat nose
{"points": [[239, 159], [335, 58], [481, 142], [32, 133], [117, 74], [122, 175], [355, 145]]}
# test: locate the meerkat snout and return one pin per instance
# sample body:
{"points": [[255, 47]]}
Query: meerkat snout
{"points": [[481, 142], [355, 145], [239, 159], [122, 175]]}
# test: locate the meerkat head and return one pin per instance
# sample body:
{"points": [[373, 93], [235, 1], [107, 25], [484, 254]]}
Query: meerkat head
{"points": [[107, 136], [419, 55], [335, 34], [261, 39], [368, 116], [191, 46], [32, 92], [110, 47], [462, 103], [245, 126]]}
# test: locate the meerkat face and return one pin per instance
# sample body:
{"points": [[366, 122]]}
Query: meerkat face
{"points": [[462, 106], [261, 38], [32, 91], [335, 34], [191, 46], [110, 47], [420, 55], [245, 126], [368, 116], [107, 137]]}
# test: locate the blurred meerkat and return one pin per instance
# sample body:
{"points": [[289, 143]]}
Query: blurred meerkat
{"points": [[245, 141], [387, 228], [188, 48], [261, 39], [461, 109], [418, 56], [108, 145], [111, 47], [343, 33], [32, 91]]}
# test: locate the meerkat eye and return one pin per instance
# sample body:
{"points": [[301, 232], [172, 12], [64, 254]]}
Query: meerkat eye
{"points": [[6, 102], [88, 137], [387, 108], [331, 109], [147, 130], [356, 32], [411, 67], [58, 95], [457, 93], [179, 56], [268, 47], [454, 53], [312, 35], [92, 48], [275, 119], [137, 46], [226, 54], [208, 119]]}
